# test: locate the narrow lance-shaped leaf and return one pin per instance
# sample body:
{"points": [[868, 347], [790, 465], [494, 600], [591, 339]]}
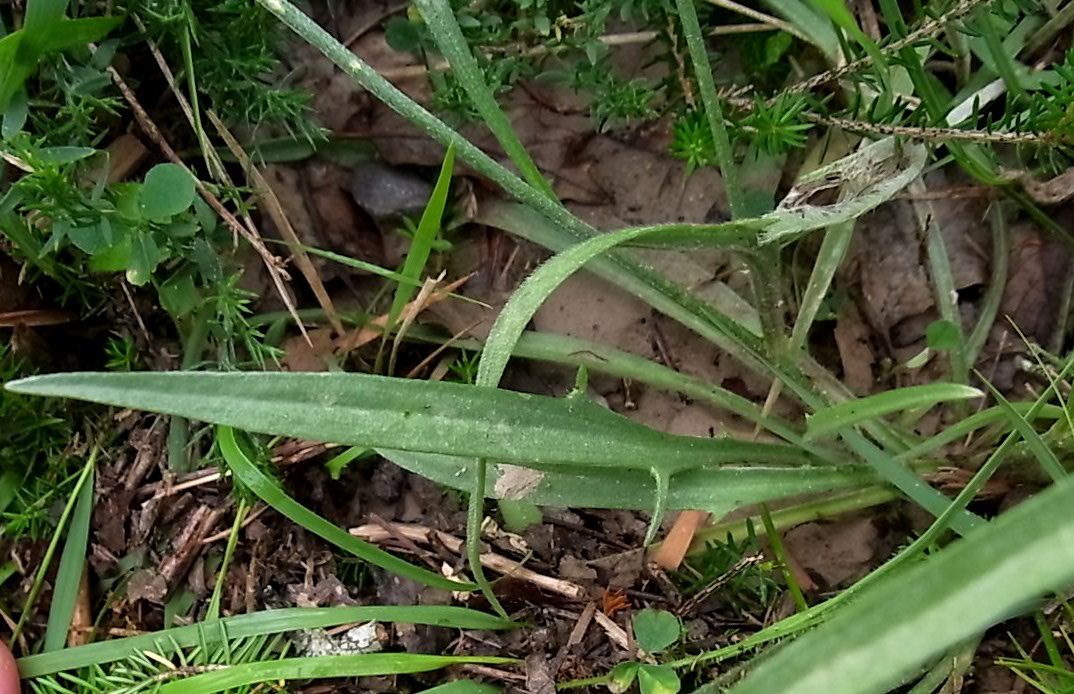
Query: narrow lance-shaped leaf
{"points": [[848, 414], [422, 416], [717, 490]]}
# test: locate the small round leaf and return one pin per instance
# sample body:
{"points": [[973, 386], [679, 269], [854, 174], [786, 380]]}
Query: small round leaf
{"points": [[402, 35], [655, 630], [168, 190], [658, 679]]}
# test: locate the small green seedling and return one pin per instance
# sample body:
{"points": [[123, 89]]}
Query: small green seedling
{"points": [[654, 631]]}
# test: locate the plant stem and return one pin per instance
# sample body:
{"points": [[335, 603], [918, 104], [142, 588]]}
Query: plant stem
{"points": [[475, 515], [233, 539]]}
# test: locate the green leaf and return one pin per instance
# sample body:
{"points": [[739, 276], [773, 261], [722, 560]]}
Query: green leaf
{"points": [[18, 109], [144, 257], [259, 623], [814, 27], [42, 17], [115, 258], [1045, 455], [69, 574], [657, 679], [92, 239], [205, 215], [339, 462], [44, 31], [268, 491], [853, 412], [838, 12], [406, 414], [422, 244], [623, 675], [519, 515], [943, 335], [994, 573], [168, 190], [402, 35], [178, 296], [65, 155], [699, 56], [718, 490], [75, 33], [365, 665], [655, 630]]}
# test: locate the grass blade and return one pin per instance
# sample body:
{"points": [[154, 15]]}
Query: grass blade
{"points": [[422, 244], [46, 561], [839, 14], [699, 56], [268, 491], [462, 687], [259, 623], [973, 584], [441, 21], [69, 574], [996, 284], [832, 249], [943, 281], [1045, 455], [848, 414], [368, 664], [975, 421]]}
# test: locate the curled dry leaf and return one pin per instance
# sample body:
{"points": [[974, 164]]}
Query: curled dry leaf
{"points": [[1054, 191]]}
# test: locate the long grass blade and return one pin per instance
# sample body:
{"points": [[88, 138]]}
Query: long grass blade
{"points": [[441, 21], [1045, 455], [699, 56], [462, 687], [364, 665], [46, 561], [266, 622], [268, 491], [996, 283], [942, 280], [422, 244], [69, 574]]}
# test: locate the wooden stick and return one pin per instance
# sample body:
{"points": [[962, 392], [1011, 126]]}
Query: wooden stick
{"points": [[490, 560]]}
